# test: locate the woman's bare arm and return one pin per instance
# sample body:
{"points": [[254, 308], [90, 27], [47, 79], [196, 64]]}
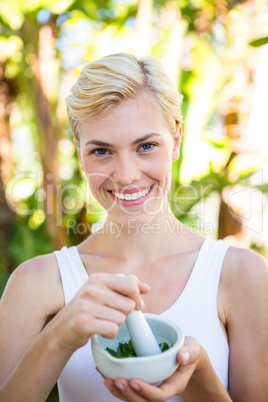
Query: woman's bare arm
{"points": [[245, 280], [33, 354], [26, 305]]}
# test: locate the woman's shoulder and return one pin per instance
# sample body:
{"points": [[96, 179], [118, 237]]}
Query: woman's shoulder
{"points": [[35, 269], [242, 262], [37, 280], [244, 278]]}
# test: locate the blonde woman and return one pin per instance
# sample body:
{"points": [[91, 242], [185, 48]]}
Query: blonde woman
{"points": [[126, 119]]}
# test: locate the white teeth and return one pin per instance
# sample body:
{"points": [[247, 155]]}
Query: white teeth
{"points": [[131, 197]]}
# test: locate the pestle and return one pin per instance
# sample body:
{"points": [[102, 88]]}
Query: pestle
{"points": [[141, 335]]}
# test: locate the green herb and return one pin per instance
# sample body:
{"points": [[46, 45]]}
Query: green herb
{"points": [[164, 346], [125, 349]]}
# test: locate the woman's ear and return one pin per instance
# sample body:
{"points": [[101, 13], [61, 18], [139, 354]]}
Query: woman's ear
{"points": [[75, 140], [177, 143]]}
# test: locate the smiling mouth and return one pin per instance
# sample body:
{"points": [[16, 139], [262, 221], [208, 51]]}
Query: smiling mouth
{"points": [[132, 196]]}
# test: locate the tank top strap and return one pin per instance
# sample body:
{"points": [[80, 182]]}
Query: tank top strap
{"points": [[210, 259], [72, 271], [205, 277]]}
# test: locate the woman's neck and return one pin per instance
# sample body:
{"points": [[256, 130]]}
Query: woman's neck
{"points": [[141, 242]]}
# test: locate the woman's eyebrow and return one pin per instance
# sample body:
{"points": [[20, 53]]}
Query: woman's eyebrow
{"points": [[97, 142], [137, 141], [144, 138]]}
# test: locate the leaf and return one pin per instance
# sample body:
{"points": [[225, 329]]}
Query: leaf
{"points": [[111, 351], [259, 42], [125, 349], [163, 346]]}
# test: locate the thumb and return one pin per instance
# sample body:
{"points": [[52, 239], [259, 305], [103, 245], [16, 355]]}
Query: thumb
{"points": [[184, 357], [189, 352]]}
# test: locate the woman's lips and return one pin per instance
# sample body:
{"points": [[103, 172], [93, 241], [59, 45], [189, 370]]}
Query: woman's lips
{"points": [[131, 197]]}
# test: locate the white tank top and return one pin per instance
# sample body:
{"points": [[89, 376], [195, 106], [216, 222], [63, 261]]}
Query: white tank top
{"points": [[195, 311]]}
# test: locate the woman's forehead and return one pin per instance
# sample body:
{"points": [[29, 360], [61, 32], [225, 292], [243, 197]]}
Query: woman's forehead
{"points": [[132, 119]]}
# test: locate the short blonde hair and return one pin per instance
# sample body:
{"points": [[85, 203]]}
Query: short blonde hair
{"points": [[104, 83]]}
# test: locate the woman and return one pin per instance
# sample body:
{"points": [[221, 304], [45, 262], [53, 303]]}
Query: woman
{"points": [[126, 120]]}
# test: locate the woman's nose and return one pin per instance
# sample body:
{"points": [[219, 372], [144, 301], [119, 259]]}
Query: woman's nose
{"points": [[126, 170]]}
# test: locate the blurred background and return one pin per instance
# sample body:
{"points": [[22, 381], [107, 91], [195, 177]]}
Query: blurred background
{"points": [[216, 53]]}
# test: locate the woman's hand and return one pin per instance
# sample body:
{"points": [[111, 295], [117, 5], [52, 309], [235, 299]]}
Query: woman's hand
{"points": [[140, 391], [100, 307]]}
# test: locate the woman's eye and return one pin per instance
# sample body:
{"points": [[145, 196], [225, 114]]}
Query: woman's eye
{"points": [[100, 151], [147, 146]]}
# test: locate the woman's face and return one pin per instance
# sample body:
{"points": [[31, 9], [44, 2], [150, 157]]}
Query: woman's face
{"points": [[127, 158]]}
